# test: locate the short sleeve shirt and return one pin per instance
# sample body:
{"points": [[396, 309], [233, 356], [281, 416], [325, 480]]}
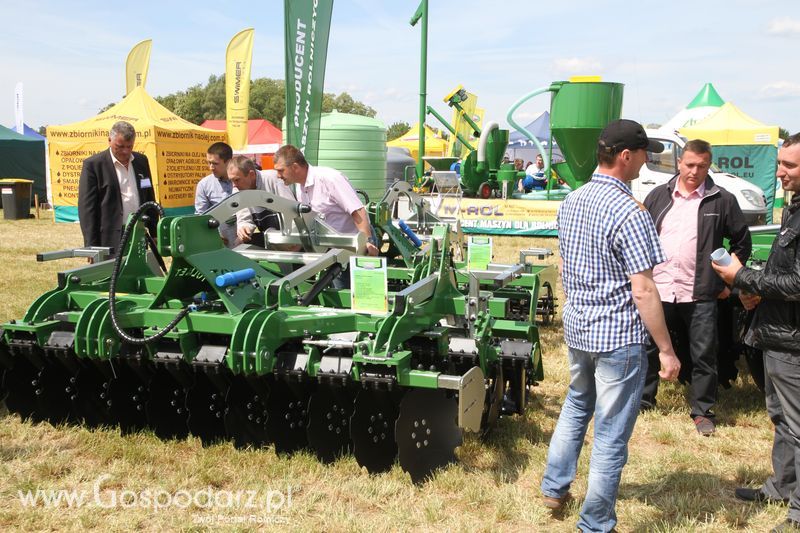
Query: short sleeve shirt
{"points": [[332, 197], [605, 236]]}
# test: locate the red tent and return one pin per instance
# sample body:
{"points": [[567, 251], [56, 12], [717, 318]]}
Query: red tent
{"points": [[262, 136]]}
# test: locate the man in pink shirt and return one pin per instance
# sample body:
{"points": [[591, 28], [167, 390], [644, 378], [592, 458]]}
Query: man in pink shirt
{"points": [[327, 191], [330, 196], [692, 216]]}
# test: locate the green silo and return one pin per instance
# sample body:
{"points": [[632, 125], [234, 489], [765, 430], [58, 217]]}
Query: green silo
{"points": [[354, 145], [579, 111]]}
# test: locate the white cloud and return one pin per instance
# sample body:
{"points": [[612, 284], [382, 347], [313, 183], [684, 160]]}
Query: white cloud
{"points": [[784, 26], [577, 65], [779, 90]]}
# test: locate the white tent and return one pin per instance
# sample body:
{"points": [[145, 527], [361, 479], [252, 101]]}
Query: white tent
{"points": [[702, 106]]}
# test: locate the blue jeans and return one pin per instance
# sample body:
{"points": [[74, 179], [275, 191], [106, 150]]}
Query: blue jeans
{"points": [[608, 386]]}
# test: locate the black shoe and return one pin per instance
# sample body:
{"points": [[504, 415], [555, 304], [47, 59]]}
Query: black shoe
{"points": [[704, 426], [788, 525], [646, 406], [747, 494]]}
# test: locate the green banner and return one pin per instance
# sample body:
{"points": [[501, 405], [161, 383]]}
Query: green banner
{"points": [[307, 27], [754, 163]]}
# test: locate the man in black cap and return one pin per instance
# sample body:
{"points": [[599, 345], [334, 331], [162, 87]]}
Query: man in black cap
{"points": [[608, 248]]}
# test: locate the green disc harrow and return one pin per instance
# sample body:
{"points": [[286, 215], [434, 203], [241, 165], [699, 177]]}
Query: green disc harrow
{"points": [[182, 336]]}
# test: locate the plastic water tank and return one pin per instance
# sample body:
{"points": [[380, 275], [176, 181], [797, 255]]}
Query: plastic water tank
{"points": [[355, 146], [398, 159]]}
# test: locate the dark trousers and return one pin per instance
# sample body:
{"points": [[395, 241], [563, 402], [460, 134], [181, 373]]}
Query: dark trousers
{"points": [[782, 391], [696, 322]]}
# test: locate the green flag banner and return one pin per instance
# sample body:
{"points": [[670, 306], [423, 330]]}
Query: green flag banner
{"points": [[307, 28], [754, 163]]}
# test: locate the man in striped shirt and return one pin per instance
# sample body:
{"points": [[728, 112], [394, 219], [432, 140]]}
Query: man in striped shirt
{"points": [[608, 247]]}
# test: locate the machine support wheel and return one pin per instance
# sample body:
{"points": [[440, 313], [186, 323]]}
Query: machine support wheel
{"points": [[546, 307], [485, 190]]}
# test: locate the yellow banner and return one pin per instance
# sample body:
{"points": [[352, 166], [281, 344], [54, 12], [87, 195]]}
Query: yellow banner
{"points": [[65, 168], [238, 58], [136, 65], [180, 162]]}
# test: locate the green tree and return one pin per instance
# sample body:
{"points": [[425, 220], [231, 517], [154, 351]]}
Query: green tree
{"points": [[783, 133], [396, 130], [267, 100]]}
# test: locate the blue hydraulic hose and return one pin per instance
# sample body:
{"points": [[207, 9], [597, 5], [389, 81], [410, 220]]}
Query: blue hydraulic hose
{"points": [[234, 278], [410, 233]]}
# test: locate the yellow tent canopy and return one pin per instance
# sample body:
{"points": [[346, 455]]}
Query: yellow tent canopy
{"points": [[729, 126], [175, 148], [434, 145]]}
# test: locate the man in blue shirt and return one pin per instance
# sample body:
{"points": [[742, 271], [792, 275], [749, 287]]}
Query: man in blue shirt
{"points": [[608, 247], [216, 187]]}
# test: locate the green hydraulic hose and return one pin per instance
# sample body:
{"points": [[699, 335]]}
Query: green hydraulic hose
{"points": [[526, 133]]}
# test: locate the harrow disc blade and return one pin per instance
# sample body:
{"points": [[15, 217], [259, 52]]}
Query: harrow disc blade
{"points": [[128, 393], [20, 382], [207, 407], [246, 418], [287, 416], [372, 430], [427, 432], [6, 363], [91, 399], [494, 400], [166, 408], [329, 412], [56, 389]]}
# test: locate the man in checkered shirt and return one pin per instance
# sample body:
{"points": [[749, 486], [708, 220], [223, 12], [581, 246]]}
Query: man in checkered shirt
{"points": [[608, 248]]}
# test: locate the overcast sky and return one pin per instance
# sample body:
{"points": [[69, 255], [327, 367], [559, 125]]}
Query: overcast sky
{"points": [[70, 55]]}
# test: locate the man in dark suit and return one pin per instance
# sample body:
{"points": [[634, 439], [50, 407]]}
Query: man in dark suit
{"points": [[114, 183]]}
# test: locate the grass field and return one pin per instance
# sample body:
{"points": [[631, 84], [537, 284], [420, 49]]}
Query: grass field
{"points": [[675, 480]]}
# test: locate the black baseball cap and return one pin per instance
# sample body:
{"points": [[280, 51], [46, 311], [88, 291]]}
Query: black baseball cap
{"points": [[623, 133]]}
